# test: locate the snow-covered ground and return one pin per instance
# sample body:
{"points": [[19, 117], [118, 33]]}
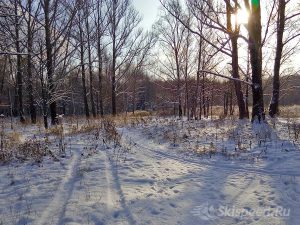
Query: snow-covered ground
{"points": [[165, 171]]}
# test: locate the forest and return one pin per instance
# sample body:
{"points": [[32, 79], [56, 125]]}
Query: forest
{"points": [[107, 118], [92, 58]]}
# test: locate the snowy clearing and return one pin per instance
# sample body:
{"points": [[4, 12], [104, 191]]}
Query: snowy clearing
{"points": [[161, 171]]}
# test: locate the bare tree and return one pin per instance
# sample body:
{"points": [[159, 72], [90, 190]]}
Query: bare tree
{"points": [[30, 14], [87, 7], [283, 22], [206, 13], [100, 20], [58, 20], [172, 38], [255, 49], [82, 63], [123, 19]]}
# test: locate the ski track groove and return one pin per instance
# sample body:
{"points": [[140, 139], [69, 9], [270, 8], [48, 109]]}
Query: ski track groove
{"points": [[109, 197], [55, 211]]}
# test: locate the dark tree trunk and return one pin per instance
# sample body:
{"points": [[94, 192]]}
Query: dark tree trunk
{"points": [[255, 47], [32, 107], [231, 104], [178, 84], [195, 104], [247, 100], [49, 63], [100, 78], [134, 93], [203, 96], [197, 94], [247, 88], [44, 106], [233, 30], [100, 33], [273, 110], [207, 105], [187, 97], [19, 66], [235, 74], [86, 106], [114, 56], [226, 102], [113, 87], [90, 63]]}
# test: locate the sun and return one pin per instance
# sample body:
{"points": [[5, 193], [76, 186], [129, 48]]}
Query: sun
{"points": [[241, 17]]}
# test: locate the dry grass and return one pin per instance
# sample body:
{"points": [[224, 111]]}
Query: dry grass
{"points": [[31, 149], [290, 111], [55, 130], [15, 149], [110, 131]]}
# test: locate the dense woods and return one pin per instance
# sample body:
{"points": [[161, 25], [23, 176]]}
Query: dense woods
{"points": [[93, 58]]}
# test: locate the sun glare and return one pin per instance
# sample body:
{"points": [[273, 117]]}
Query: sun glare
{"points": [[241, 17]]}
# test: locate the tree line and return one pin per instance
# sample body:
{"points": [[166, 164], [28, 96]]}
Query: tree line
{"points": [[94, 57]]}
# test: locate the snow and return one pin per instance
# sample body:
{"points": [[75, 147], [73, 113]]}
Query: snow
{"points": [[166, 171]]}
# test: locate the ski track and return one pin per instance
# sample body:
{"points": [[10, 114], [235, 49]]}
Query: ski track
{"points": [[141, 143], [114, 189], [54, 213], [109, 198], [156, 172]]}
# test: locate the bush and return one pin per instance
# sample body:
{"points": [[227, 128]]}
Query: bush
{"points": [[32, 149]]}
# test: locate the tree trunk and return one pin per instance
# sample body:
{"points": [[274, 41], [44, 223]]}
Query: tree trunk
{"points": [[226, 101], [19, 66], [86, 106], [90, 63], [100, 77], [44, 107], [178, 84], [203, 95], [235, 74], [100, 33], [231, 104], [187, 97], [44, 104], [113, 85], [32, 107], [255, 47], [134, 93], [49, 63], [207, 105], [195, 105], [114, 56], [273, 110], [234, 30]]}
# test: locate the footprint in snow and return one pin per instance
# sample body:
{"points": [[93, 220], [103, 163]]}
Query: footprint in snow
{"points": [[271, 198], [173, 205], [261, 203], [262, 182], [116, 214], [155, 212]]}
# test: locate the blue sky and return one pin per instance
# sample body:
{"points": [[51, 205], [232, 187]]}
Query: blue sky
{"points": [[148, 9]]}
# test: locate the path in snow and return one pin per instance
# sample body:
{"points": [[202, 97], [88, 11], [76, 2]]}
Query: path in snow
{"points": [[54, 213], [157, 185], [178, 186]]}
